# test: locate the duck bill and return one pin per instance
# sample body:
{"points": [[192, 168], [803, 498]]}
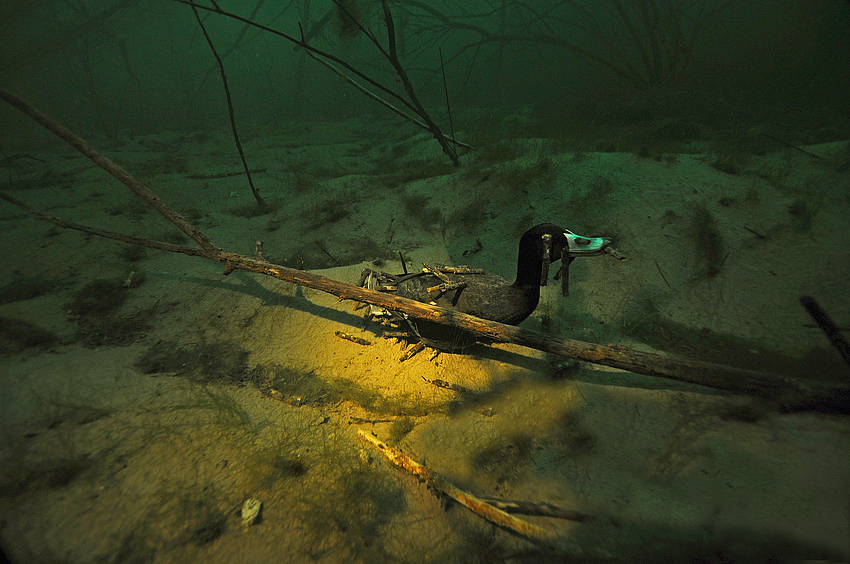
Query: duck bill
{"points": [[579, 246]]}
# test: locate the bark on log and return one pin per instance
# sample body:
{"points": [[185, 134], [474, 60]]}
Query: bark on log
{"points": [[789, 394]]}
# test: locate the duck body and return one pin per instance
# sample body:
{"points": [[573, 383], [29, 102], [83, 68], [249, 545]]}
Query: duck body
{"points": [[485, 295], [490, 296]]}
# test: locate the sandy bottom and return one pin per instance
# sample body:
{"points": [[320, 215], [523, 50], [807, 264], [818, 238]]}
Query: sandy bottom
{"points": [[138, 418]]}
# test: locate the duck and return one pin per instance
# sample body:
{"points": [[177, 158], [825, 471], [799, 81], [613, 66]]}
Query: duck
{"points": [[484, 294]]}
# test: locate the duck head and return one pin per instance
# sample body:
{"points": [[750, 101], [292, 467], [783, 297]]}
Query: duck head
{"points": [[544, 244]]}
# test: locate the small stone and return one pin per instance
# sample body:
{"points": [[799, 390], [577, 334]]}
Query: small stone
{"points": [[251, 511]]}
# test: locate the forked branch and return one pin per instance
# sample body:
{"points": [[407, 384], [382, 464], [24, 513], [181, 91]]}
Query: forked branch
{"points": [[411, 101], [644, 42]]}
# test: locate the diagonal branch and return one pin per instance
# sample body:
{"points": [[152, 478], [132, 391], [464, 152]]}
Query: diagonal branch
{"points": [[380, 100], [392, 57], [122, 175], [302, 44], [149, 243], [411, 101], [482, 507], [227, 95], [408, 86]]}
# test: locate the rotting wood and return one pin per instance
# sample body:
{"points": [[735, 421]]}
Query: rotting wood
{"points": [[352, 338], [788, 393], [479, 506]]}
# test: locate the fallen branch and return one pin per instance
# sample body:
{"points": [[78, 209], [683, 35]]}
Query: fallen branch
{"points": [[122, 175], [158, 245], [392, 57], [790, 394], [478, 505]]}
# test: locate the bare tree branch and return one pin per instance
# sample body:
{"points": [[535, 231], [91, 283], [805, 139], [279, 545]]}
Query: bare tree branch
{"points": [[644, 42], [410, 101]]}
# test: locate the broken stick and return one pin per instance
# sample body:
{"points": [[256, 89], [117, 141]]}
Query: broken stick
{"points": [[477, 505]]}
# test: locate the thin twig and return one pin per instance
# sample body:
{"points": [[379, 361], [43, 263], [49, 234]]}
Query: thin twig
{"points": [[446, 90], [408, 86], [380, 100], [828, 326], [542, 509], [791, 145], [122, 175], [411, 101], [235, 45], [218, 60], [149, 243], [304, 45], [662, 274]]}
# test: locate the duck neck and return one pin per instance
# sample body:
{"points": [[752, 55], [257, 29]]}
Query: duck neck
{"points": [[529, 261]]}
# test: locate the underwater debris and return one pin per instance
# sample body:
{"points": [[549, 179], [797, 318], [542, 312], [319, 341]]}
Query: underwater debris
{"points": [[294, 401], [447, 385], [352, 338], [479, 506], [251, 512]]}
